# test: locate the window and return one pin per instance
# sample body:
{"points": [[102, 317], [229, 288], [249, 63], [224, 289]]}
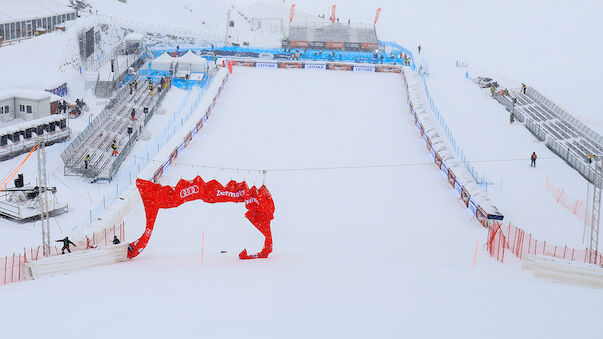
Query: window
{"points": [[54, 21], [28, 108], [12, 31], [2, 31], [18, 30], [21, 108], [2, 110], [6, 110]]}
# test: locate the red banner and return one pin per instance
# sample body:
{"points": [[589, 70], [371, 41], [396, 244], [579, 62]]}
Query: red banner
{"points": [[292, 13], [333, 15], [259, 204], [377, 15]]}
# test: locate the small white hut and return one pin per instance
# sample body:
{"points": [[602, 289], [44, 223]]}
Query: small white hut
{"points": [[24, 104]]}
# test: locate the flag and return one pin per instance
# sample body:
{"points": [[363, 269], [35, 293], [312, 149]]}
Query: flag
{"points": [[377, 15], [292, 12], [333, 15]]}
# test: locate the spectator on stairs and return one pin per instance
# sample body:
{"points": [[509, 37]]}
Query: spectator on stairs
{"points": [[114, 148]]}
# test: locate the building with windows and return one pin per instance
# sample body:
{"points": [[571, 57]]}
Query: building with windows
{"points": [[20, 19], [26, 104]]}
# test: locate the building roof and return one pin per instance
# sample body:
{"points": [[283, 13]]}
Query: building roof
{"points": [[17, 10], [24, 93]]}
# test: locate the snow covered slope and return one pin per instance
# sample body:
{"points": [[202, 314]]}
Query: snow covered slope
{"points": [[548, 45], [365, 252]]}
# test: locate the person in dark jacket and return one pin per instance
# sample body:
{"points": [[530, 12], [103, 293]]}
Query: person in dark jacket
{"points": [[66, 243], [115, 240], [133, 113], [533, 163]]}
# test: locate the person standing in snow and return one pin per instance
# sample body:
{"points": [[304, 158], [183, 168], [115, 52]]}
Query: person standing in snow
{"points": [[512, 118], [419, 49], [533, 158], [66, 243], [523, 88], [86, 161], [115, 240], [133, 113]]}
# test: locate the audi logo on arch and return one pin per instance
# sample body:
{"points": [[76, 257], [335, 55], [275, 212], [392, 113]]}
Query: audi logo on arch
{"points": [[188, 191]]}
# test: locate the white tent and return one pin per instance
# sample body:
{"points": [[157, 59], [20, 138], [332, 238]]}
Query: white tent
{"points": [[192, 62], [164, 62]]}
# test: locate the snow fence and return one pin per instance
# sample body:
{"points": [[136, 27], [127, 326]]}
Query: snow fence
{"points": [[12, 266]]}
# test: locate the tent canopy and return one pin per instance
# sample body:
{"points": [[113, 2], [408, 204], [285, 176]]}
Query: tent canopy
{"points": [[192, 62], [163, 62]]}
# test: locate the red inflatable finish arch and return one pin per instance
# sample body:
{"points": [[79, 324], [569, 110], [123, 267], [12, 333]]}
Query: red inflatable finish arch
{"points": [[260, 207]]}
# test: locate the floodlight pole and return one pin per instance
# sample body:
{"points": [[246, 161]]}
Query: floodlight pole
{"points": [[596, 211], [43, 197]]}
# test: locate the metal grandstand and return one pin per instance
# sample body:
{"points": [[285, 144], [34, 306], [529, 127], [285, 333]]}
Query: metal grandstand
{"points": [[353, 37], [113, 123]]}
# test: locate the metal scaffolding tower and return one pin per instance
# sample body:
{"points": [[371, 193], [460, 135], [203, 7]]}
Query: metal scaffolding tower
{"points": [[596, 211], [43, 198]]}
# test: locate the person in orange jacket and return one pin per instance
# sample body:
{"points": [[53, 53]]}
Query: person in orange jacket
{"points": [[533, 163]]}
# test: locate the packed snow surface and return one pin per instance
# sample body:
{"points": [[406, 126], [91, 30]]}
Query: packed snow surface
{"points": [[359, 252]]}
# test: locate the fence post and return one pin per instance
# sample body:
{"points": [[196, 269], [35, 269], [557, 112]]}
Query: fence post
{"points": [[19, 275], [12, 270]]}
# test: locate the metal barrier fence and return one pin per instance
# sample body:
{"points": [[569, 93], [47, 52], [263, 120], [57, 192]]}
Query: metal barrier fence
{"points": [[585, 169], [535, 128], [305, 54], [480, 179]]}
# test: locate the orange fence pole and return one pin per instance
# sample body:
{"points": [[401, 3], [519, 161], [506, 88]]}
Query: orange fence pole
{"points": [[474, 256]]}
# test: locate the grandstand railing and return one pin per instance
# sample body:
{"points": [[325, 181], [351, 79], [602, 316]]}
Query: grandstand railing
{"points": [[130, 169], [68, 152], [134, 137]]}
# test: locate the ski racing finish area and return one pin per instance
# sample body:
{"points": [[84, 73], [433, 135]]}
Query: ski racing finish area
{"points": [[370, 241], [258, 202]]}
